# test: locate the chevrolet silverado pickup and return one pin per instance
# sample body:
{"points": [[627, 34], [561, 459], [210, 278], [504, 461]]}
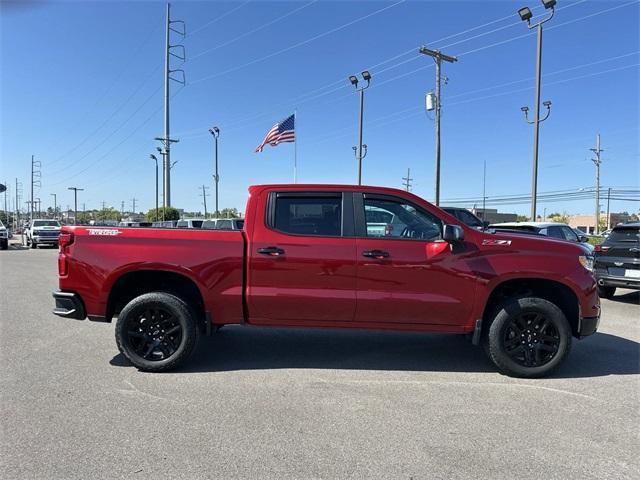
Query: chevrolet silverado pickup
{"points": [[332, 256]]}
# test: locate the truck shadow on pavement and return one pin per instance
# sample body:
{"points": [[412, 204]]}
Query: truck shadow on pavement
{"points": [[632, 298], [241, 348]]}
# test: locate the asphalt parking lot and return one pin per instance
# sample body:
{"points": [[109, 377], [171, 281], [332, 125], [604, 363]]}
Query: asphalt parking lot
{"points": [[259, 403]]}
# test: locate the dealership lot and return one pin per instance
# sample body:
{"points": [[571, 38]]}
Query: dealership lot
{"points": [[259, 403]]}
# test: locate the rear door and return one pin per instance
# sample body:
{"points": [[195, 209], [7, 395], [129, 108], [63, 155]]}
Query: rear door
{"points": [[302, 260]]}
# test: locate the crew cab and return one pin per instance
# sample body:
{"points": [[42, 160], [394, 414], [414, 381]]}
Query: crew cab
{"points": [[42, 232], [313, 256]]}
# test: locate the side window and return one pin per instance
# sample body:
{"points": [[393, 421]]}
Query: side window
{"points": [[555, 232], [398, 219], [306, 215], [569, 234]]}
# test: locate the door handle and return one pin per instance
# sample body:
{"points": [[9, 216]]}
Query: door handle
{"points": [[377, 254], [271, 251]]}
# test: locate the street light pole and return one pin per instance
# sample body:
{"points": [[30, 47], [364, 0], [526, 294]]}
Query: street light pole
{"points": [[526, 15], [359, 152], [215, 131], [55, 208], [75, 202], [154, 158]]}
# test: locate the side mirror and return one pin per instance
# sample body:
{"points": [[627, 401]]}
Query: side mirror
{"points": [[453, 234], [583, 238]]}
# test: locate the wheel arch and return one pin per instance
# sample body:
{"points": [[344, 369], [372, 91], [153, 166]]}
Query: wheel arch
{"points": [[554, 291], [132, 284]]}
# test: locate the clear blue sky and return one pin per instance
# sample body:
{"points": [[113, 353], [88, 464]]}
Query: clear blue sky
{"points": [[81, 89]]}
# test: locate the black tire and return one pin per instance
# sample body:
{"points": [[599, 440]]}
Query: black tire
{"points": [[5, 245], [156, 331], [528, 337], [606, 292], [33, 244]]}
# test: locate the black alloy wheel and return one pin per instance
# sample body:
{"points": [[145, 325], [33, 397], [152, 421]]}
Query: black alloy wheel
{"points": [[531, 339]]}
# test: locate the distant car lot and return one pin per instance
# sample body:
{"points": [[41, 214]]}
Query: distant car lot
{"points": [[260, 403]]}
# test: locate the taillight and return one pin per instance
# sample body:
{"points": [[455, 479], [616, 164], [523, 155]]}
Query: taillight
{"points": [[601, 248], [64, 240], [62, 264]]}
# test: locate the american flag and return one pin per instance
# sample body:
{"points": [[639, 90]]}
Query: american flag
{"points": [[283, 131]]}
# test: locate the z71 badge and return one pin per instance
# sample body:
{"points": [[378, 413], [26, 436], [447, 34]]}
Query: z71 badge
{"points": [[100, 231], [496, 242]]}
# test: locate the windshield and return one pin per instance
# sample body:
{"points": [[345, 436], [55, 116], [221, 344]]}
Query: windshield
{"points": [[46, 223]]}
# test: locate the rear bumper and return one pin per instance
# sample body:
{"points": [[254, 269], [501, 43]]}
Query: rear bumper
{"points": [[69, 305], [622, 282]]}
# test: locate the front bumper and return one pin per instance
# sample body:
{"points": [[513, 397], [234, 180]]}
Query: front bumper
{"points": [[51, 240], [588, 326], [69, 305]]}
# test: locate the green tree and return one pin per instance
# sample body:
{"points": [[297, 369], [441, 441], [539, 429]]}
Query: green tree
{"points": [[170, 213], [108, 214], [522, 218], [229, 213]]}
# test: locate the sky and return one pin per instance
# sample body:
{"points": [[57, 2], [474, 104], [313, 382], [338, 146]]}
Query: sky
{"points": [[81, 89]]}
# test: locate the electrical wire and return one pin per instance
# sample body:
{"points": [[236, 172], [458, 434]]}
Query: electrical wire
{"points": [[217, 19]]}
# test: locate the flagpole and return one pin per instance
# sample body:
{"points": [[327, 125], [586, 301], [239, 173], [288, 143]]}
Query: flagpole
{"points": [[295, 147]]}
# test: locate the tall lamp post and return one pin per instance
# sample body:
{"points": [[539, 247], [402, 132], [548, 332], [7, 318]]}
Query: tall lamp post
{"points": [[55, 206], [155, 159], [526, 16], [366, 76], [215, 131]]}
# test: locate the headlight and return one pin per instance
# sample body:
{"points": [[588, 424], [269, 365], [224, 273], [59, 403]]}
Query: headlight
{"points": [[586, 261]]}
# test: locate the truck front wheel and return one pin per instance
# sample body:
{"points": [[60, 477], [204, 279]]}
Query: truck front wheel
{"points": [[156, 331], [528, 337]]}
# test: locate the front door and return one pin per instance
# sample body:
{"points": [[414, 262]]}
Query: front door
{"points": [[406, 273], [302, 262]]}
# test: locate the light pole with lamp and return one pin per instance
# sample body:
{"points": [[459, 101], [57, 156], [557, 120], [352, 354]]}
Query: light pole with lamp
{"points": [[366, 76], [525, 16], [155, 159], [215, 131]]}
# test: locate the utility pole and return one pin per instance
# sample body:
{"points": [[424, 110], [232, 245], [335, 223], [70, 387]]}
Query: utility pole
{"points": [[438, 56], [36, 176], [6, 212], [215, 131], [204, 199], [133, 208], [75, 202], [407, 180], [525, 16], [121, 208], [608, 212], [484, 189], [18, 191], [597, 161], [169, 51], [55, 207]]}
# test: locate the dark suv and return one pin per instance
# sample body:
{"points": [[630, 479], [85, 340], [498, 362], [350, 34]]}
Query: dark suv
{"points": [[617, 260], [466, 217]]}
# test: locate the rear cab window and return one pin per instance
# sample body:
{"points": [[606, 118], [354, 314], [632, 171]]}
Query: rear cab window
{"points": [[624, 234], [316, 214]]}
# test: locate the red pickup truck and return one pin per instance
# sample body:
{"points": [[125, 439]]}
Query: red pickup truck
{"points": [[332, 256]]}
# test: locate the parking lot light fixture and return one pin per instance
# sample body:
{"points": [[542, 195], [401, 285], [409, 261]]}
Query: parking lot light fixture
{"points": [[354, 80], [154, 158], [360, 154], [366, 75], [525, 14]]}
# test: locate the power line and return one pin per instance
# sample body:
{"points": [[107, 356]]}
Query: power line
{"points": [[250, 32], [217, 19], [298, 44]]}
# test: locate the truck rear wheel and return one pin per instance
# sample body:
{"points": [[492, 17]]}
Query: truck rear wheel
{"points": [[529, 337], [156, 331], [606, 292], [33, 244]]}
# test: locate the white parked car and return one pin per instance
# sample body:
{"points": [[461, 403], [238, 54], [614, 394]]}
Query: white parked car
{"points": [[190, 223], [549, 229], [223, 224], [42, 232]]}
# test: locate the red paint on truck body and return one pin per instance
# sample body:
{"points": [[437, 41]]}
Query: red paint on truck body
{"points": [[322, 281]]}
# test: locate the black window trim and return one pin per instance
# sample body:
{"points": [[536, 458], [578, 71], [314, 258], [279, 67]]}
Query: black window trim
{"points": [[361, 223], [346, 215]]}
